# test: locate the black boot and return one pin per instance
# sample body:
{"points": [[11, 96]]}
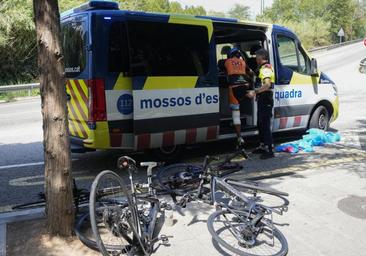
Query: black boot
{"points": [[268, 153], [259, 150]]}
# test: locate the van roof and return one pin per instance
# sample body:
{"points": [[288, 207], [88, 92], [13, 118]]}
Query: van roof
{"points": [[111, 8]]}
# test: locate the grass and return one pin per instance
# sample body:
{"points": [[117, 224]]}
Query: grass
{"points": [[11, 96]]}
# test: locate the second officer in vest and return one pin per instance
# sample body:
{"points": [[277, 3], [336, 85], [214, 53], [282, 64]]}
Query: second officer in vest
{"points": [[264, 96]]}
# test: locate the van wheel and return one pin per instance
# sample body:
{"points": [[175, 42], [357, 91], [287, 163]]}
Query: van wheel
{"points": [[320, 119], [167, 153]]}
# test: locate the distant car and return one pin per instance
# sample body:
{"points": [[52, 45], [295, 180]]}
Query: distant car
{"points": [[363, 65]]}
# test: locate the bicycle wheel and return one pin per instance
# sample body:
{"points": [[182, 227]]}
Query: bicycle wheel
{"points": [[234, 235], [179, 178], [113, 216], [262, 195]]}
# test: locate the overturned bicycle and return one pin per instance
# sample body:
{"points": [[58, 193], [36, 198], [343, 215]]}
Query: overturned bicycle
{"points": [[122, 219]]}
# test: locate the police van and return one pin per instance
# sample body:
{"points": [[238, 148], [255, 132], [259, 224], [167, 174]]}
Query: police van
{"points": [[138, 80]]}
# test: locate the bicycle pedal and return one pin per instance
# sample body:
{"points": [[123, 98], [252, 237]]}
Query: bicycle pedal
{"points": [[166, 206], [164, 239]]}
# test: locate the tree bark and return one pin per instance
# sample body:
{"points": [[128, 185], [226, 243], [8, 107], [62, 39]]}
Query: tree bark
{"points": [[58, 180]]}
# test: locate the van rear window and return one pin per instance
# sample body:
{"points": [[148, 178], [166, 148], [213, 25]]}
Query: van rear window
{"points": [[166, 49], [73, 42]]}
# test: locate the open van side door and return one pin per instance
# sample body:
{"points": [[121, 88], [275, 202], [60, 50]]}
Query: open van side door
{"points": [[295, 88], [175, 97]]}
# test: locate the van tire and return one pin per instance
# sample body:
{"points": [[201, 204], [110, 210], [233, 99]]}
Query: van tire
{"points": [[320, 119], [167, 153]]}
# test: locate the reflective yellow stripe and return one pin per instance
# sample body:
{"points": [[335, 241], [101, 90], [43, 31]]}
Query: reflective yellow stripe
{"points": [[72, 128], [302, 79], [99, 138], [84, 87], [80, 102], [183, 19], [71, 114], [335, 105], [170, 82], [123, 83]]}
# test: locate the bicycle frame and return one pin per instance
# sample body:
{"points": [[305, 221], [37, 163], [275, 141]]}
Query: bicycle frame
{"points": [[145, 230]]}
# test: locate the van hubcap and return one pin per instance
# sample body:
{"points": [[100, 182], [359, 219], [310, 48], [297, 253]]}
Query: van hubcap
{"points": [[322, 121]]}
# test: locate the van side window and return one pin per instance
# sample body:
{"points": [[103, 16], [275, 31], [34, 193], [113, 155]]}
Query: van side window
{"points": [[166, 49], [73, 37], [305, 63], [118, 60], [287, 52]]}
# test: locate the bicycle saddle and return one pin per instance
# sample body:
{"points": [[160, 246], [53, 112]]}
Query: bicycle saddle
{"points": [[125, 162], [149, 164]]}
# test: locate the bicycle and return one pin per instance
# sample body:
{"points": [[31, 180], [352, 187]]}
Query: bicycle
{"points": [[240, 223], [245, 212], [189, 180], [123, 221]]}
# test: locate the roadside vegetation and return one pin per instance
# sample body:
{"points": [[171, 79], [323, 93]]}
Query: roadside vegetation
{"points": [[11, 96], [315, 21]]}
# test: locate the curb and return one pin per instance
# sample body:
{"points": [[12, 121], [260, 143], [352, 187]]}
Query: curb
{"points": [[16, 216]]}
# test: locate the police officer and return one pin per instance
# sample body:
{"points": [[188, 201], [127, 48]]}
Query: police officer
{"points": [[264, 95], [237, 76]]}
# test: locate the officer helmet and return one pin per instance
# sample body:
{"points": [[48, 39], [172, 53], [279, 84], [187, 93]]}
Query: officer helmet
{"points": [[234, 52]]}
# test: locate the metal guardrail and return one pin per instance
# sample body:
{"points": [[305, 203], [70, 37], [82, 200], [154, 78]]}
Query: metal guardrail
{"points": [[20, 87], [333, 46], [363, 66]]}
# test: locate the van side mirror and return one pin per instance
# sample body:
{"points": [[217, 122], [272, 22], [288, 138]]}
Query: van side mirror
{"points": [[314, 67]]}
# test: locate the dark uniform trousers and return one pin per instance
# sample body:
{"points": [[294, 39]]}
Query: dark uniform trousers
{"points": [[264, 117]]}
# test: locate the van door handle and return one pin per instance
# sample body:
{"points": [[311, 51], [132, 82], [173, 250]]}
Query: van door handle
{"points": [[285, 81], [68, 97]]}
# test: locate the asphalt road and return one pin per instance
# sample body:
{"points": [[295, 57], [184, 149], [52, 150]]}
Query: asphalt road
{"points": [[21, 153]]}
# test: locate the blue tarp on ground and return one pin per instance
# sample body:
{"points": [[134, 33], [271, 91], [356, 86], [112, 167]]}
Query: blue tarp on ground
{"points": [[314, 137]]}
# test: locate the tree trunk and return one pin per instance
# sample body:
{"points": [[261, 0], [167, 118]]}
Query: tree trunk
{"points": [[58, 188]]}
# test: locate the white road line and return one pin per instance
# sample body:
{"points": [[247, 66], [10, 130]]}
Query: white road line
{"points": [[20, 165], [37, 180], [23, 165], [3, 239]]}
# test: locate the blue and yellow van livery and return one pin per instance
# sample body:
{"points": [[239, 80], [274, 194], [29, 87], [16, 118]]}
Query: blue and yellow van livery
{"points": [[138, 80]]}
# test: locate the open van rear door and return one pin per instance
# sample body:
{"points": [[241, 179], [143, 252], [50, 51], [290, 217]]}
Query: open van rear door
{"points": [[175, 98]]}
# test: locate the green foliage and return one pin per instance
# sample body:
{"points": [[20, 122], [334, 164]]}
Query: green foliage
{"points": [[240, 12], [312, 33], [217, 14], [18, 49], [11, 96], [317, 22], [163, 6], [17, 42]]}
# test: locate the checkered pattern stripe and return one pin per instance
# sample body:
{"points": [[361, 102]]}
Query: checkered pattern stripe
{"points": [[290, 122], [170, 138]]}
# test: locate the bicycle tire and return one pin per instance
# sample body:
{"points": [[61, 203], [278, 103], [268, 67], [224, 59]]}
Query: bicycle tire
{"points": [[265, 196], [92, 244], [115, 205], [216, 236], [167, 174]]}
